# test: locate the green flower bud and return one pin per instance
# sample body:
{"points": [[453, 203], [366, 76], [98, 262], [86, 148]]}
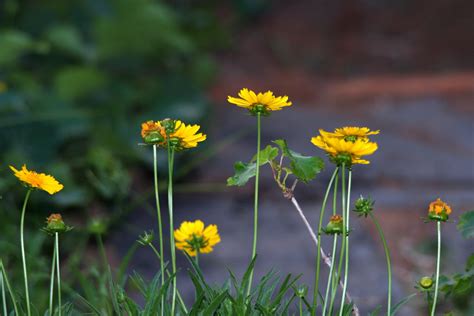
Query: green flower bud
{"points": [[146, 238], [364, 206], [335, 225], [154, 137], [169, 125], [301, 291], [97, 226], [426, 282], [55, 224]]}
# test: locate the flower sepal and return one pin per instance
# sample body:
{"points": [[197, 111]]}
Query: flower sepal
{"points": [[153, 138], [335, 226], [439, 211], [146, 239], [259, 109], [341, 159], [364, 206]]}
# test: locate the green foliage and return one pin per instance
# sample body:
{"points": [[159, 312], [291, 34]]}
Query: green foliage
{"points": [[304, 168], [466, 224]]}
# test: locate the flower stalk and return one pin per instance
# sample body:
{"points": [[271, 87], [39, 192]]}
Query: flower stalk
{"points": [[56, 247], [318, 257], [9, 288], [170, 210], [438, 262], [4, 298], [23, 256], [255, 206], [346, 237], [51, 286], [160, 225]]}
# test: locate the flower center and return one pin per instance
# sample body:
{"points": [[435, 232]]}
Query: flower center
{"points": [[351, 138]]}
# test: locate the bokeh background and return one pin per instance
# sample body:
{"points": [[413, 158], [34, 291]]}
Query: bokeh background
{"points": [[78, 77]]}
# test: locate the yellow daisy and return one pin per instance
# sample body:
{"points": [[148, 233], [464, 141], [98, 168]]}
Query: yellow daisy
{"points": [[36, 180], [262, 103], [350, 133], [186, 136], [194, 238], [341, 150]]}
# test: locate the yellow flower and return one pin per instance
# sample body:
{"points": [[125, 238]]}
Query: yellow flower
{"points": [[36, 180], [347, 151], [439, 210], [261, 103], [193, 238], [350, 133], [153, 132], [186, 136]]}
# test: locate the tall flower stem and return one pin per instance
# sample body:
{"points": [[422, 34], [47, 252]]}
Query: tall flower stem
{"points": [[4, 298], [332, 282], [170, 209], [160, 225], [51, 285], [438, 261], [318, 256], [346, 237], [180, 299], [7, 283], [56, 242], [331, 274], [23, 256], [255, 204], [387, 256]]}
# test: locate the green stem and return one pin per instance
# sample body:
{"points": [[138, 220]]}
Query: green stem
{"points": [[51, 286], [318, 256], [255, 204], [341, 253], [56, 237], [180, 299], [4, 298], [23, 256], [160, 225], [7, 283], [301, 307], [331, 276], [346, 237], [438, 261], [170, 209], [389, 265], [103, 254]]}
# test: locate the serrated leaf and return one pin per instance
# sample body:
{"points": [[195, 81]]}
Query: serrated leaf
{"points": [[245, 171], [305, 168], [466, 224]]}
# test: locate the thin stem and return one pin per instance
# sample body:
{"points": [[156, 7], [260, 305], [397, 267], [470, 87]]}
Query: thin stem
{"points": [[170, 209], [346, 237], [4, 299], [438, 261], [180, 299], [197, 258], [23, 256], [56, 237], [160, 225], [7, 283], [103, 254], [330, 277], [387, 256], [301, 307], [51, 286], [255, 204], [318, 258]]}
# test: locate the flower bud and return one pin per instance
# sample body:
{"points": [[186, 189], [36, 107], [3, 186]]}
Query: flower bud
{"points": [[154, 137], [335, 225], [426, 282], [146, 238], [169, 125], [364, 206], [301, 291], [439, 211], [55, 224], [97, 226]]}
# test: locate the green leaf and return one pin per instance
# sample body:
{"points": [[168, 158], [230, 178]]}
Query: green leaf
{"points": [[215, 304], [13, 45], [78, 81], [245, 171], [405, 300], [305, 168], [376, 311], [466, 224]]}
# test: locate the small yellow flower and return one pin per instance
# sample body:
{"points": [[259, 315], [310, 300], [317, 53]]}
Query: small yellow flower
{"points": [[439, 210], [262, 103], [350, 133], [36, 180], [347, 151], [194, 238], [186, 136]]}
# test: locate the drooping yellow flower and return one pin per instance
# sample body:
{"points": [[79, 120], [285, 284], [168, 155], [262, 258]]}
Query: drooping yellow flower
{"points": [[347, 151], [36, 180], [194, 238], [186, 136], [439, 210], [262, 103], [350, 133]]}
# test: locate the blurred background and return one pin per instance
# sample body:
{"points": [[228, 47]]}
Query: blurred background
{"points": [[78, 77]]}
